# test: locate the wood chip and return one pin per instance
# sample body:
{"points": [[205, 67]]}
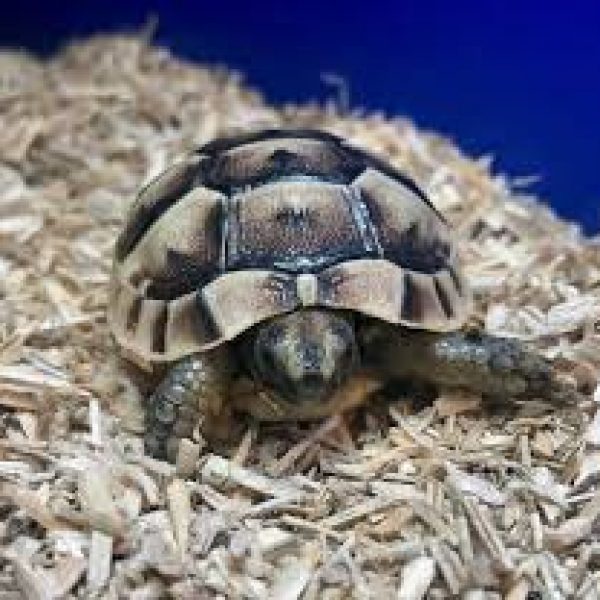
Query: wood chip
{"points": [[476, 486], [95, 425], [416, 578], [99, 561], [488, 534], [178, 497], [135, 475], [519, 590], [350, 515], [243, 450], [220, 472], [592, 433], [31, 582], [456, 494], [449, 565], [188, 453], [67, 574], [451, 404], [34, 505], [272, 540], [291, 581], [295, 452], [97, 502], [317, 528]]}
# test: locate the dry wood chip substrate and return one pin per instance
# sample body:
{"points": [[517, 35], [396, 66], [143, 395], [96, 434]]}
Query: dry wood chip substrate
{"points": [[402, 500]]}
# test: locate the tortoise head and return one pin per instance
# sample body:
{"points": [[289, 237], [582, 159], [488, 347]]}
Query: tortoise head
{"points": [[304, 355]]}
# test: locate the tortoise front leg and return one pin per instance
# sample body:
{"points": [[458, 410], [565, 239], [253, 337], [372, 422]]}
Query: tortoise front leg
{"points": [[192, 392], [498, 368]]}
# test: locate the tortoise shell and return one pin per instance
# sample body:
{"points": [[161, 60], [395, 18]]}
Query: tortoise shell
{"points": [[253, 226]]}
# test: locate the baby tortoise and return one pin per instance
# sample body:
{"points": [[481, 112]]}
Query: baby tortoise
{"points": [[288, 274]]}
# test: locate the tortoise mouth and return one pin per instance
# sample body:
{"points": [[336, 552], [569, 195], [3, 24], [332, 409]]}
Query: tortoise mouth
{"points": [[312, 388], [266, 404]]}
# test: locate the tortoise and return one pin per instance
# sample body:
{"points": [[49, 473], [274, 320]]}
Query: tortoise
{"points": [[287, 274]]}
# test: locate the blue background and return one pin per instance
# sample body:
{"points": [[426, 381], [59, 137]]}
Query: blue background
{"points": [[520, 80]]}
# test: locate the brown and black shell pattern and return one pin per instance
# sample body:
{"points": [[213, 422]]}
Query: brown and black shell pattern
{"points": [[252, 226]]}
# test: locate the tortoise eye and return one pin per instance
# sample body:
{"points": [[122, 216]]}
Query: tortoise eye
{"points": [[268, 357], [348, 355]]}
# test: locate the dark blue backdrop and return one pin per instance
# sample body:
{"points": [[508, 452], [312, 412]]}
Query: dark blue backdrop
{"points": [[520, 80]]}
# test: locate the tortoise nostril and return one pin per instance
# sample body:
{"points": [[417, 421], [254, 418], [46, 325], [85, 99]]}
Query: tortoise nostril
{"points": [[312, 357]]}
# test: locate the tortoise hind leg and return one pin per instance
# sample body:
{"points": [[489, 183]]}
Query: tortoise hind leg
{"points": [[192, 392], [498, 368]]}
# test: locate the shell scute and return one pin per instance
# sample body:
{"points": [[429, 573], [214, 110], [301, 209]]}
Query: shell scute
{"points": [[260, 224], [410, 232], [293, 227]]}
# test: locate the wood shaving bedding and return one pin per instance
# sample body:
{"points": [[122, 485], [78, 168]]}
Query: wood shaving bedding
{"points": [[399, 501]]}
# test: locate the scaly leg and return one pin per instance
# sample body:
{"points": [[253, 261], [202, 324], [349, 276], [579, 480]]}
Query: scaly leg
{"points": [[192, 392], [498, 368]]}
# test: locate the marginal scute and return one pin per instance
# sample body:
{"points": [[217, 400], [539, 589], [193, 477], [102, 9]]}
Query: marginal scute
{"points": [[240, 299], [425, 307], [185, 329], [163, 331], [450, 295], [122, 298], [386, 291], [367, 286], [155, 199], [148, 328]]}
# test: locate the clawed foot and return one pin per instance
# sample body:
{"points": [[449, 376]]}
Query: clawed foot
{"points": [[499, 368]]}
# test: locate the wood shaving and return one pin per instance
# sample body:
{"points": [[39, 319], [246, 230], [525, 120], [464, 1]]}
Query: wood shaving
{"points": [[396, 501], [416, 577]]}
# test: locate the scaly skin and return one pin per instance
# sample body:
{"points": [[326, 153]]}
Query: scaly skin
{"points": [[192, 392], [498, 368], [196, 389]]}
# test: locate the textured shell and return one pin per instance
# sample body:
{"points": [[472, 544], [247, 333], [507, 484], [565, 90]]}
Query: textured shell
{"points": [[257, 225]]}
